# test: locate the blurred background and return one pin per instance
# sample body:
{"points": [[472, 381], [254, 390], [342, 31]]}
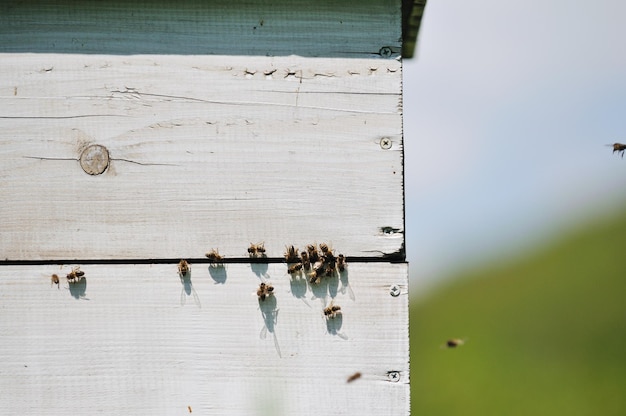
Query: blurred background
{"points": [[516, 209]]}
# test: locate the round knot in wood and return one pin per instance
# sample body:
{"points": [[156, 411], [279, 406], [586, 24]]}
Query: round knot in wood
{"points": [[95, 159]]}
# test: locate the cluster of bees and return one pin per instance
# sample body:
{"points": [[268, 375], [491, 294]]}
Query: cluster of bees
{"points": [[316, 264]]}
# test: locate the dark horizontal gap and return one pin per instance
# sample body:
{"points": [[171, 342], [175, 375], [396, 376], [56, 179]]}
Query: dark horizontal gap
{"points": [[239, 260]]}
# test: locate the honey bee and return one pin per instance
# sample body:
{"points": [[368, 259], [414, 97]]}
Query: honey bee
{"points": [[189, 408], [315, 278], [256, 250], [332, 310], [183, 267], [264, 290], [75, 275], [341, 262], [353, 377], [214, 256], [294, 268], [306, 263], [453, 343], [618, 147], [324, 247], [291, 254], [313, 254], [54, 280]]}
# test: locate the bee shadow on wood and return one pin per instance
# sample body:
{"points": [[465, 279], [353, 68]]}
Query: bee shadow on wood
{"points": [[260, 269], [333, 326], [298, 287], [333, 284], [269, 312], [218, 273], [320, 290], [78, 288], [187, 289], [345, 284]]}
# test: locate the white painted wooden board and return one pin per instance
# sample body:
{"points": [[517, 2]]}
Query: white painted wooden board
{"points": [[206, 151], [126, 344]]}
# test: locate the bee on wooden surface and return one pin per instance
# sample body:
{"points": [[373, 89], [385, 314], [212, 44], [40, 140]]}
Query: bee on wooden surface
{"points": [[453, 343], [315, 277], [294, 268], [256, 250], [214, 256], [332, 310], [75, 275], [341, 262], [314, 256], [183, 267], [353, 377], [291, 254], [264, 290], [54, 280], [618, 147], [304, 257]]}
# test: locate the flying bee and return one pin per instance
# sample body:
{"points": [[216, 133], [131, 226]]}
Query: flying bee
{"points": [[214, 256], [353, 377], [291, 254], [294, 268], [75, 275], [189, 408], [256, 250], [618, 147], [54, 280], [306, 263], [453, 343], [324, 247], [341, 263], [332, 310], [183, 267], [264, 290], [314, 256]]}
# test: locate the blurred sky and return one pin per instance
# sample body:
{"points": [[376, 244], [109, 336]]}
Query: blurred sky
{"points": [[507, 110]]}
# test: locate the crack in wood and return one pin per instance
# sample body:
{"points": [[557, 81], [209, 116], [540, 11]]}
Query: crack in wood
{"points": [[116, 159]]}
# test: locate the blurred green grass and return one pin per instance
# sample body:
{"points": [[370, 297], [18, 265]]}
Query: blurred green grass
{"points": [[546, 334]]}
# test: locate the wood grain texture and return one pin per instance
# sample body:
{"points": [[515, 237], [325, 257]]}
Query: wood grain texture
{"points": [[206, 152], [324, 28], [125, 343]]}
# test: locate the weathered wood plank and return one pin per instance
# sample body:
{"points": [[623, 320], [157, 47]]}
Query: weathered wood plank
{"points": [[126, 344], [205, 152], [219, 27]]}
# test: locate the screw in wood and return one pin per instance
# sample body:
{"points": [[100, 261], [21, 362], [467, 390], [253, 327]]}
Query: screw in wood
{"points": [[394, 291], [393, 376], [385, 143], [94, 159], [385, 52]]}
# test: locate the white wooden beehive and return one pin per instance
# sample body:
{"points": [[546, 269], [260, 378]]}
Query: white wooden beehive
{"points": [[224, 124]]}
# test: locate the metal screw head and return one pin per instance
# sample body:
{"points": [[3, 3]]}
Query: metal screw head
{"points": [[393, 376], [385, 52], [394, 291], [385, 143]]}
